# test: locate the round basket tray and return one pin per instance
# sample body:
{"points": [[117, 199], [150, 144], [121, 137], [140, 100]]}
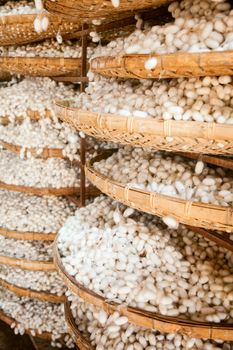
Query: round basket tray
{"points": [[198, 214], [143, 318], [174, 65], [81, 342], [89, 9], [31, 236], [19, 29], [10, 321], [33, 294], [41, 66], [45, 152], [65, 191], [24, 264], [169, 135]]}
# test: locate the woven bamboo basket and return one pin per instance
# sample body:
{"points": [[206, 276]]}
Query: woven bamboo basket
{"points": [[213, 217], [10, 321], [41, 66], [46, 191], [174, 65], [89, 9], [31, 236], [19, 29], [169, 135], [146, 319], [33, 294], [81, 342], [45, 152], [31, 265]]}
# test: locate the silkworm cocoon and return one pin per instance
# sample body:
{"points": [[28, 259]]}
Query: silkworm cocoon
{"points": [[59, 38], [124, 112], [151, 63], [140, 114], [171, 222], [199, 167], [37, 25], [39, 4], [115, 3], [44, 23]]}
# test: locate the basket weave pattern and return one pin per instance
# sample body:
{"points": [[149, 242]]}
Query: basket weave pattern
{"points": [[41, 66], [195, 214], [190, 136], [89, 9], [173, 65]]}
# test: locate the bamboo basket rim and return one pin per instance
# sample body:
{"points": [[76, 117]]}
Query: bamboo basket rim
{"points": [[39, 191], [25, 18], [25, 264], [9, 321], [192, 213], [167, 324], [45, 154], [41, 66], [98, 8], [32, 294], [27, 235], [79, 339], [170, 65], [131, 130]]}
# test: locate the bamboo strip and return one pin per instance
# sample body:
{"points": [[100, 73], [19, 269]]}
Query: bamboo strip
{"points": [[41, 66], [31, 265], [146, 319], [46, 191], [33, 294], [209, 216], [31, 236], [169, 135], [173, 65], [79, 339]]}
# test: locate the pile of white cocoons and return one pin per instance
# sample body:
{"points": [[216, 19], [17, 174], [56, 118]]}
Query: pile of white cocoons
{"points": [[205, 99], [33, 280], [25, 249], [133, 259], [27, 213], [36, 316], [198, 26], [21, 7], [114, 332], [169, 175], [32, 94], [44, 133], [39, 173]]}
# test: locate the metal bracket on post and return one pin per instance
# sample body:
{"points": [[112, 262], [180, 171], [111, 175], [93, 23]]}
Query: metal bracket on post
{"points": [[82, 139]]}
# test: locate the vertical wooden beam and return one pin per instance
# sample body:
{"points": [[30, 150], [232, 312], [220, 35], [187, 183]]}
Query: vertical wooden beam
{"points": [[83, 140]]}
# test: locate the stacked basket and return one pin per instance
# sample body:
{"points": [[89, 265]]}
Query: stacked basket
{"points": [[197, 138], [31, 215], [30, 273]]}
